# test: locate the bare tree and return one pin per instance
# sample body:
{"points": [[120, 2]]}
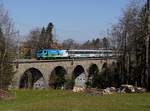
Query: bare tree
{"points": [[70, 44], [7, 48], [148, 45], [128, 37]]}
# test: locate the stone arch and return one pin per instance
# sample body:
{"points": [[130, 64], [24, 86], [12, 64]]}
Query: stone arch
{"points": [[79, 69], [29, 77], [93, 70], [57, 77], [105, 65]]}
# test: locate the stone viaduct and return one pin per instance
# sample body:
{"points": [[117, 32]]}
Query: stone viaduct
{"points": [[44, 68]]}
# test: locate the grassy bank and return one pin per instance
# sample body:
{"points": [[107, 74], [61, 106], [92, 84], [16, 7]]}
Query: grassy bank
{"points": [[57, 100]]}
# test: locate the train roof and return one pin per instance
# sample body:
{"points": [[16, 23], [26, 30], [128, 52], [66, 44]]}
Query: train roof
{"points": [[52, 49], [78, 50], [86, 50]]}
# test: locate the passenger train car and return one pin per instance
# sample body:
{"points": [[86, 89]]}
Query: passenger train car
{"points": [[89, 53], [55, 54]]}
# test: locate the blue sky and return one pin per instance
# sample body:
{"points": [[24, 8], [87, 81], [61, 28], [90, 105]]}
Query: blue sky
{"points": [[77, 19]]}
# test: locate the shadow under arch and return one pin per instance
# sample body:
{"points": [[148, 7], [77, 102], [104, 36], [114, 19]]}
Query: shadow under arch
{"points": [[93, 73], [78, 70], [29, 77], [93, 70], [105, 65], [57, 77]]}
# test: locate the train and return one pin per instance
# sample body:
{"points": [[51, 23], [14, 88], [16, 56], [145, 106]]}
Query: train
{"points": [[61, 54]]}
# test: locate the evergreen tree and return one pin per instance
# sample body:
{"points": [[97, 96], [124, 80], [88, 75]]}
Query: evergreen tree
{"points": [[46, 37], [49, 34], [42, 39], [49, 30], [105, 43]]}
